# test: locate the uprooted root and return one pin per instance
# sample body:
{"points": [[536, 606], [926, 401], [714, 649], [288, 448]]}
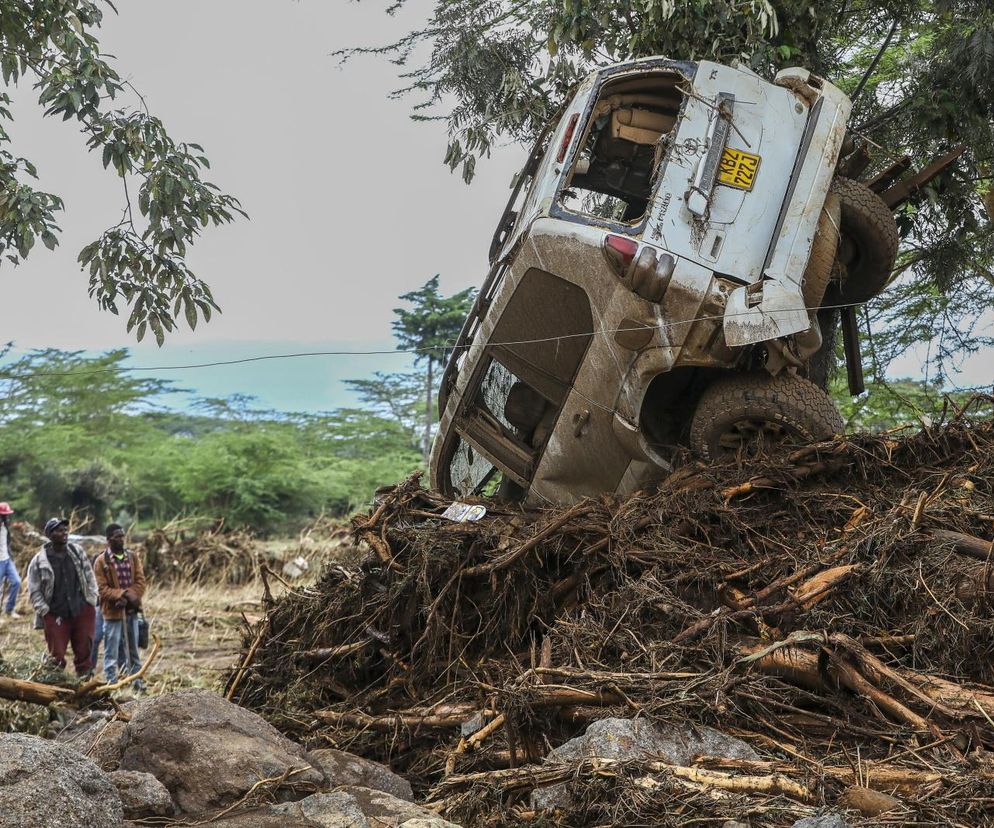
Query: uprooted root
{"points": [[832, 607]]}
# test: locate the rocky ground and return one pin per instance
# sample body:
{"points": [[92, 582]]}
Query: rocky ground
{"points": [[191, 757]]}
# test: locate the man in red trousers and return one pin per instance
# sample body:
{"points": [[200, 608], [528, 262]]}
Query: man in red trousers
{"points": [[63, 592]]}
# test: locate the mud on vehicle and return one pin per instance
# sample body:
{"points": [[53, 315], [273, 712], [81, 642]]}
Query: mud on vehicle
{"points": [[668, 271]]}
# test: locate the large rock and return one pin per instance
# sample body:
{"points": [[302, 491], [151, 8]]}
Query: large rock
{"points": [[207, 751], [632, 739], [142, 795], [99, 736], [386, 811], [824, 821], [349, 807], [340, 768], [47, 785]]}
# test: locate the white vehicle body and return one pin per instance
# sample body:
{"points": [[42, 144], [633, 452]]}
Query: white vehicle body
{"points": [[718, 187]]}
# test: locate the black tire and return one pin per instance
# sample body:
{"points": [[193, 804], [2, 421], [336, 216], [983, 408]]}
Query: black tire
{"points": [[740, 415], [869, 243]]}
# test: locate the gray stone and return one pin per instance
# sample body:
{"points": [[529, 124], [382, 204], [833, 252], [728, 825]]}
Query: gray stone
{"points": [[340, 768], [350, 807], [386, 811], [98, 736], [632, 739], [47, 785], [207, 751], [142, 795], [824, 821]]}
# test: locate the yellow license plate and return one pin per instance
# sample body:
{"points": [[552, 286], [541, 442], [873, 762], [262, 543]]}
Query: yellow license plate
{"points": [[738, 169]]}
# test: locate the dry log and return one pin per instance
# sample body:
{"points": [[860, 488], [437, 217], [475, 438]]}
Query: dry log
{"points": [[439, 717], [968, 545], [552, 695], [858, 683], [533, 776], [325, 653], [818, 587], [791, 663], [876, 775], [363, 721], [33, 691], [868, 801]]}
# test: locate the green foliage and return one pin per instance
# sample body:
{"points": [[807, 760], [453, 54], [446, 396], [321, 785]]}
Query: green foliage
{"points": [[140, 262], [81, 432], [430, 327], [394, 396], [432, 322], [888, 405], [496, 69]]}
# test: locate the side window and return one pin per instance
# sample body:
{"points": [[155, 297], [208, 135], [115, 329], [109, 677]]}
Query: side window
{"points": [[531, 361]]}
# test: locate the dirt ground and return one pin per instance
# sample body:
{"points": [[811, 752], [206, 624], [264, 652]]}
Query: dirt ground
{"points": [[200, 628]]}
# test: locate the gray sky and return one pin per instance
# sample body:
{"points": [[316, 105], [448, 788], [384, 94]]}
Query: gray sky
{"points": [[349, 202]]}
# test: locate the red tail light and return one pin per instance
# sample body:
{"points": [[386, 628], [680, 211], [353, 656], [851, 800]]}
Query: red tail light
{"points": [[620, 251], [571, 127]]}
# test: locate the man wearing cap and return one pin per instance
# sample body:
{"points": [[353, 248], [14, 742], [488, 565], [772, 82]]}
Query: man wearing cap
{"points": [[121, 585], [63, 591], [8, 572]]}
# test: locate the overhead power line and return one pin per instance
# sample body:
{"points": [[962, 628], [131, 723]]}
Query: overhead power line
{"points": [[384, 352]]}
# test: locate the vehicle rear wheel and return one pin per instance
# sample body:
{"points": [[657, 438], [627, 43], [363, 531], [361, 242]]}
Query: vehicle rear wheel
{"points": [[868, 247], [744, 414]]}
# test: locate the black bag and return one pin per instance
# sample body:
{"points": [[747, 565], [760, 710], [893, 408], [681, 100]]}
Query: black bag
{"points": [[142, 631]]}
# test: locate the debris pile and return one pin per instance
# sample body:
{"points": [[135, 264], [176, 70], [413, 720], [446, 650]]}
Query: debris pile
{"points": [[175, 553], [172, 553], [830, 608]]}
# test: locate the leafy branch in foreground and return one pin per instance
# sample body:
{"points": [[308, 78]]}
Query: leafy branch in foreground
{"points": [[140, 261]]}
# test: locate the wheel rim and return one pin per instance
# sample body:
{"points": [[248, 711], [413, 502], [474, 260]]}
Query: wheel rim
{"points": [[752, 436]]}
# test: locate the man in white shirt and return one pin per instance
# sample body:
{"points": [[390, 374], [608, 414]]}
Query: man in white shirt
{"points": [[8, 572]]}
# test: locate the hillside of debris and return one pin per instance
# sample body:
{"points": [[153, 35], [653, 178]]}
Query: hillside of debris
{"points": [[829, 611]]}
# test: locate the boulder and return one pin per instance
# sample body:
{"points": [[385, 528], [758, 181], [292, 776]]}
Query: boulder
{"points": [[142, 795], [824, 821], [340, 768], [350, 807], [630, 739], [47, 785], [321, 810], [207, 751], [386, 811], [99, 736]]}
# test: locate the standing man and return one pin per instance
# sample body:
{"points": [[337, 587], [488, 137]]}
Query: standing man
{"points": [[8, 572], [121, 583], [63, 592]]}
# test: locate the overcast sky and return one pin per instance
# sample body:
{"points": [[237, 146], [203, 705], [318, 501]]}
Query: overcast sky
{"points": [[350, 204]]}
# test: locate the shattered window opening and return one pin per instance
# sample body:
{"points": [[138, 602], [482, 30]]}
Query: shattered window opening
{"points": [[623, 147]]}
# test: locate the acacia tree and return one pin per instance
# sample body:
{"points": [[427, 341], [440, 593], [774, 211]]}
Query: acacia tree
{"points": [[140, 262], [501, 68], [430, 328], [395, 396]]}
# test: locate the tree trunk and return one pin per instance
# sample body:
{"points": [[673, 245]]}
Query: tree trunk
{"points": [[429, 415]]}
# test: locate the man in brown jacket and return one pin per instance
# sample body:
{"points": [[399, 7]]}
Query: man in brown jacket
{"points": [[121, 584]]}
